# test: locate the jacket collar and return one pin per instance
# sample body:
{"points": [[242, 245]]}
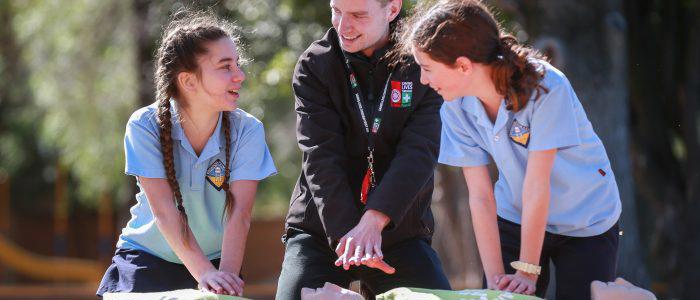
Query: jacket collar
{"points": [[357, 57]]}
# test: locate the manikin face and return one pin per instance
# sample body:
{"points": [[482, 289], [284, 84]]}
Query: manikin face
{"points": [[451, 82], [620, 289], [329, 291], [220, 78], [363, 25]]}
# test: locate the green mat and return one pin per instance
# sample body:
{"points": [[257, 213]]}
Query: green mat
{"points": [[395, 294], [424, 294], [171, 295]]}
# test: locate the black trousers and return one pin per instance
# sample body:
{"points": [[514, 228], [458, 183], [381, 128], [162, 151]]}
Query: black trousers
{"points": [[309, 262], [140, 272], [578, 260]]}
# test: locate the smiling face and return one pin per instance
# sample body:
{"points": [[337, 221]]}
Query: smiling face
{"points": [[363, 25], [451, 82], [219, 78]]}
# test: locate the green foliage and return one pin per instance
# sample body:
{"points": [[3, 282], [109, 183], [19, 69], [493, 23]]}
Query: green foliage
{"points": [[15, 119], [80, 57]]}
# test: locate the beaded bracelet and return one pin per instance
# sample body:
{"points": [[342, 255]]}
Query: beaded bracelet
{"points": [[525, 267]]}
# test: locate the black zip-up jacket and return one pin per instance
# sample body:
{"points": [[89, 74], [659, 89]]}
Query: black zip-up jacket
{"points": [[332, 138]]}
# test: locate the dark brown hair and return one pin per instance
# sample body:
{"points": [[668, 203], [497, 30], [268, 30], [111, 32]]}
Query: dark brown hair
{"points": [[184, 39], [453, 28]]}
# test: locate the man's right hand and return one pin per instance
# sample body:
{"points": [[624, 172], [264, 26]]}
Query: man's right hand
{"points": [[369, 260], [362, 244]]}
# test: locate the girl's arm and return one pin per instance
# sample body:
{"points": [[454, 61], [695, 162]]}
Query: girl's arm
{"points": [[482, 205], [167, 218], [536, 192], [237, 225], [169, 222]]}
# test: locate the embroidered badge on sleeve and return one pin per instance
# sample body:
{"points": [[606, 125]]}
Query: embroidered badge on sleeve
{"points": [[401, 93]]}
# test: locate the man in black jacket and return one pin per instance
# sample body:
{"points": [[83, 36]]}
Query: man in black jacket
{"points": [[369, 133]]}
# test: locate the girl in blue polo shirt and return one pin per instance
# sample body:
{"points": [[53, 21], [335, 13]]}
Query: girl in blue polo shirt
{"points": [[556, 197], [197, 160]]}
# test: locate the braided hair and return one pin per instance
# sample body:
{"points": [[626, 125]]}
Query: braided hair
{"points": [[184, 39]]}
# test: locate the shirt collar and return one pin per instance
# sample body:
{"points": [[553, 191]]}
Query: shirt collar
{"points": [[474, 106]]}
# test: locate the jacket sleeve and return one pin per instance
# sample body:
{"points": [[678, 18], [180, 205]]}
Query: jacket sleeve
{"points": [[320, 137], [414, 162]]}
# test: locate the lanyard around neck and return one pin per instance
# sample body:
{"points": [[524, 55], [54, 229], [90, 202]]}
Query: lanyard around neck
{"points": [[357, 96], [369, 181]]}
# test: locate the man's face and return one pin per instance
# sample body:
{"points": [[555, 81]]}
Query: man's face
{"points": [[362, 24]]}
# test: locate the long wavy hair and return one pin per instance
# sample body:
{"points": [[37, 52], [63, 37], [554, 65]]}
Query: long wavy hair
{"points": [[450, 29]]}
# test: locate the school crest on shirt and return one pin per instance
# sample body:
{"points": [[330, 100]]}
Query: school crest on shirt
{"points": [[401, 93], [519, 133], [215, 174]]}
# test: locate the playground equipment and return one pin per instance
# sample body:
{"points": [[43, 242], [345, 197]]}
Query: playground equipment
{"points": [[48, 268]]}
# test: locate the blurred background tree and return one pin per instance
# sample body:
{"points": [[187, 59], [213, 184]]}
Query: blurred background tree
{"points": [[81, 79]]}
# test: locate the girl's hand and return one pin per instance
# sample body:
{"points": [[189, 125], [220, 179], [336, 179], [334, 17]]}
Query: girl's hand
{"points": [[519, 282], [220, 282], [492, 284]]}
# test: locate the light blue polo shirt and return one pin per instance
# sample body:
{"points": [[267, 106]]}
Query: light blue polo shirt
{"points": [[584, 196], [200, 178]]}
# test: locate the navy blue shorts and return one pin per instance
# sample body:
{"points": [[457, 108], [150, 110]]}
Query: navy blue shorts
{"points": [[577, 260], [140, 272]]}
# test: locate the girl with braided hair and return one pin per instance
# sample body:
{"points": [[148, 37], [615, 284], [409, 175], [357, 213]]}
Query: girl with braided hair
{"points": [[197, 159], [556, 198]]}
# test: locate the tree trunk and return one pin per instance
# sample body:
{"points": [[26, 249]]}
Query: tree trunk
{"points": [[60, 212], [144, 51], [105, 228], [664, 85], [691, 113], [454, 238]]}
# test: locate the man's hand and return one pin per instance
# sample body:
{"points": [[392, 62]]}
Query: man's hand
{"points": [[381, 265], [363, 244]]}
